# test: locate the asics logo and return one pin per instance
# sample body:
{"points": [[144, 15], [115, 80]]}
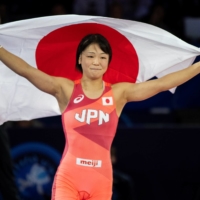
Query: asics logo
{"points": [[88, 163], [79, 98]]}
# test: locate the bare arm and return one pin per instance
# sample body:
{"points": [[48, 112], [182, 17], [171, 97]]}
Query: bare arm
{"points": [[142, 91], [38, 78], [127, 92], [61, 88]]}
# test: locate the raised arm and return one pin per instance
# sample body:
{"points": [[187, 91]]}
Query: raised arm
{"points": [[58, 87], [41, 80], [142, 91], [127, 92]]}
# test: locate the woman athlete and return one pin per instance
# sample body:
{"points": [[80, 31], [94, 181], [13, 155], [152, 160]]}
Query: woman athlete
{"points": [[90, 110]]}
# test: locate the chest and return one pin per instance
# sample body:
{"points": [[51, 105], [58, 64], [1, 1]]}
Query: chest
{"points": [[83, 110]]}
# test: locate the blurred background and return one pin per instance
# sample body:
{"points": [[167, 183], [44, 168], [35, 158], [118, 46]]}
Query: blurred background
{"points": [[156, 151]]}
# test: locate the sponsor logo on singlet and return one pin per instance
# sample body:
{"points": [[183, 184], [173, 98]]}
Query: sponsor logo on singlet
{"points": [[88, 114], [88, 163], [107, 101], [79, 98]]}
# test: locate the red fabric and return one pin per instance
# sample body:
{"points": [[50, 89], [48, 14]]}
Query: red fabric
{"points": [[55, 53]]}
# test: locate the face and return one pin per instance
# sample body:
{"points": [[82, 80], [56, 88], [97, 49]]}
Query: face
{"points": [[94, 61]]}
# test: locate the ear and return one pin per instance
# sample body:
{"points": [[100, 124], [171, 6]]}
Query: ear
{"points": [[79, 60]]}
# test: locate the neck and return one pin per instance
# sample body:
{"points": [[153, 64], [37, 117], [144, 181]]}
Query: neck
{"points": [[92, 85]]}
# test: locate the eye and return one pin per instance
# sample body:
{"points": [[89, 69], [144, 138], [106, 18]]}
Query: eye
{"points": [[103, 58], [90, 56]]}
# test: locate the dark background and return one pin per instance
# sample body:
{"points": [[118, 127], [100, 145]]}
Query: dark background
{"points": [[162, 162]]}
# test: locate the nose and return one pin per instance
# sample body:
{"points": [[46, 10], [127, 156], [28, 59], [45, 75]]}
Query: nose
{"points": [[96, 61]]}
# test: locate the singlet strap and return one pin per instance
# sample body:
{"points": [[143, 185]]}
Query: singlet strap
{"points": [[77, 81], [107, 84]]}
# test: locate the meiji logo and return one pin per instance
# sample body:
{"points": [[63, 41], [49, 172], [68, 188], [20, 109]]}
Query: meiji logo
{"points": [[89, 114], [79, 98], [107, 101], [88, 163]]}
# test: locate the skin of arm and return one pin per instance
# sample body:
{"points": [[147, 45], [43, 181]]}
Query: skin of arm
{"points": [[127, 92], [61, 88]]}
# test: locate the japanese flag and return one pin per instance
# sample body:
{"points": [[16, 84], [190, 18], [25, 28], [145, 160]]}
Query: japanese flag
{"points": [[107, 101], [140, 52]]}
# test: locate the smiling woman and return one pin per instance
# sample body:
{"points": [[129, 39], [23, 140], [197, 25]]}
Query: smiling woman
{"points": [[94, 62], [97, 40], [90, 111]]}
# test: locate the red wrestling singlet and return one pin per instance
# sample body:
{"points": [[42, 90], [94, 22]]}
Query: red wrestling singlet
{"points": [[85, 171]]}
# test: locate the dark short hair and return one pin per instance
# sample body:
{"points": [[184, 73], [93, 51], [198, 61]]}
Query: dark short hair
{"points": [[93, 39]]}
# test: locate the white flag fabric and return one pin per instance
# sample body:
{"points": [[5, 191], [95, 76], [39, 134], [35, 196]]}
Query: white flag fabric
{"points": [[140, 52]]}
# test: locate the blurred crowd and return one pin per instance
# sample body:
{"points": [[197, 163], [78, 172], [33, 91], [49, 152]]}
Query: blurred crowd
{"points": [[168, 14]]}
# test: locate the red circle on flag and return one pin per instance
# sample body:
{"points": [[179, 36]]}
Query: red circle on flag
{"points": [[107, 101], [56, 53]]}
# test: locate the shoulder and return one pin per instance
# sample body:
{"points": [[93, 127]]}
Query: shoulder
{"points": [[121, 90], [121, 87], [66, 86], [65, 82]]}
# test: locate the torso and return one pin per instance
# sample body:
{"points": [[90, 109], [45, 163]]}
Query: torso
{"points": [[68, 87], [91, 116], [90, 124]]}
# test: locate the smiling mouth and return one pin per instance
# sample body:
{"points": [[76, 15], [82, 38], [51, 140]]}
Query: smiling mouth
{"points": [[95, 69]]}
